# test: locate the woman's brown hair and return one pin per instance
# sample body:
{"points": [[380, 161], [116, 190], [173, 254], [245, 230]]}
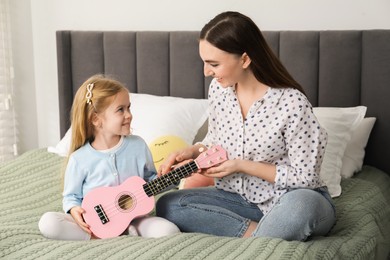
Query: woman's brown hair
{"points": [[236, 33]]}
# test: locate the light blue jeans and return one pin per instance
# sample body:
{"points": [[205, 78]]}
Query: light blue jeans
{"points": [[299, 213]]}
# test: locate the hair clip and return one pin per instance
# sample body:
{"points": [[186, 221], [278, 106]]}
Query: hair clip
{"points": [[88, 96]]}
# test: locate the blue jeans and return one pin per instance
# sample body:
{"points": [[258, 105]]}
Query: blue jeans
{"points": [[299, 213]]}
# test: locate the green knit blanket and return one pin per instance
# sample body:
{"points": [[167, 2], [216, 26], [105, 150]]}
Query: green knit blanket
{"points": [[31, 185]]}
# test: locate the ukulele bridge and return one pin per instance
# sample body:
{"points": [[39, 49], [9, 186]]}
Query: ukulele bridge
{"points": [[102, 215]]}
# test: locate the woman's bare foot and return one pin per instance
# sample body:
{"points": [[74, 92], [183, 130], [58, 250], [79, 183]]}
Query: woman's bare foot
{"points": [[251, 228]]}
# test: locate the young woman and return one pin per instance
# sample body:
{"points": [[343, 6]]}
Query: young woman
{"points": [[102, 153], [270, 186]]}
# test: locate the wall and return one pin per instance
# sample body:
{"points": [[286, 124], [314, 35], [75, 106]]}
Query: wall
{"points": [[24, 81], [47, 16]]}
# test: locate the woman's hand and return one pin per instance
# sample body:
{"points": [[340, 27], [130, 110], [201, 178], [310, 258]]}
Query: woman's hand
{"points": [[179, 158], [265, 171], [77, 214], [224, 169]]}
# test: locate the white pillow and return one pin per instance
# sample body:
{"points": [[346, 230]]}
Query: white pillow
{"points": [[156, 116], [355, 150], [339, 124], [63, 146]]}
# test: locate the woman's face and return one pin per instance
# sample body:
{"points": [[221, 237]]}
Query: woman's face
{"points": [[227, 68]]}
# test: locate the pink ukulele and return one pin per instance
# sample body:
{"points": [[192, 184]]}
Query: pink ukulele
{"points": [[109, 210]]}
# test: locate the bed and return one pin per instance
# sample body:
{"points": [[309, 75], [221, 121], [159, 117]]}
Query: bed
{"points": [[345, 74]]}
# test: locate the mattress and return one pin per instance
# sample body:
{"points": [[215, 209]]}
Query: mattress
{"points": [[31, 185]]}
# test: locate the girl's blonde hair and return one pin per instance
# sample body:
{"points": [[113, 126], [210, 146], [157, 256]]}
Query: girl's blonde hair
{"points": [[85, 106]]}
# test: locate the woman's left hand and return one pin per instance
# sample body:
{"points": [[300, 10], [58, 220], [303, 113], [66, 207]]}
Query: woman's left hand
{"points": [[265, 171], [224, 169]]}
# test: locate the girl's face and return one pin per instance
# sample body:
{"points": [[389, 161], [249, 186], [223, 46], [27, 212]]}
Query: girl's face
{"points": [[227, 68], [115, 120]]}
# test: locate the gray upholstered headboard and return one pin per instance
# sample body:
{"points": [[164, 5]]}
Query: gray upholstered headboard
{"points": [[336, 68]]}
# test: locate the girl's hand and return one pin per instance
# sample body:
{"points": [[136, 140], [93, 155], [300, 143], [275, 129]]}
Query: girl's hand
{"points": [[224, 169], [77, 214]]}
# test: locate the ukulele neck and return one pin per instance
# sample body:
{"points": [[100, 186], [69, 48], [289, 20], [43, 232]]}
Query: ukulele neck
{"points": [[159, 184]]}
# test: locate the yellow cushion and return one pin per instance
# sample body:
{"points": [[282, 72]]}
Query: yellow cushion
{"points": [[163, 146]]}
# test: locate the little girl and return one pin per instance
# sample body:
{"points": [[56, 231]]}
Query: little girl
{"points": [[102, 153]]}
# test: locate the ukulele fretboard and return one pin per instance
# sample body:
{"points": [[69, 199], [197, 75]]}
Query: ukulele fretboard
{"points": [[159, 184]]}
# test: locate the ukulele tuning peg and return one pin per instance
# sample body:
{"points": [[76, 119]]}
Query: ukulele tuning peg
{"points": [[210, 162]]}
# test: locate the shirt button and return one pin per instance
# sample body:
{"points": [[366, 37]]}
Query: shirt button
{"points": [[115, 173]]}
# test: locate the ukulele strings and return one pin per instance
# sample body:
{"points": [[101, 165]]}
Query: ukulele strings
{"points": [[147, 188], [111, 209], [182, 172]]}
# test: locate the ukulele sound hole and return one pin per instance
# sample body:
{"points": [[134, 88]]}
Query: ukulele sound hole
{"points": [[126, 202]]}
